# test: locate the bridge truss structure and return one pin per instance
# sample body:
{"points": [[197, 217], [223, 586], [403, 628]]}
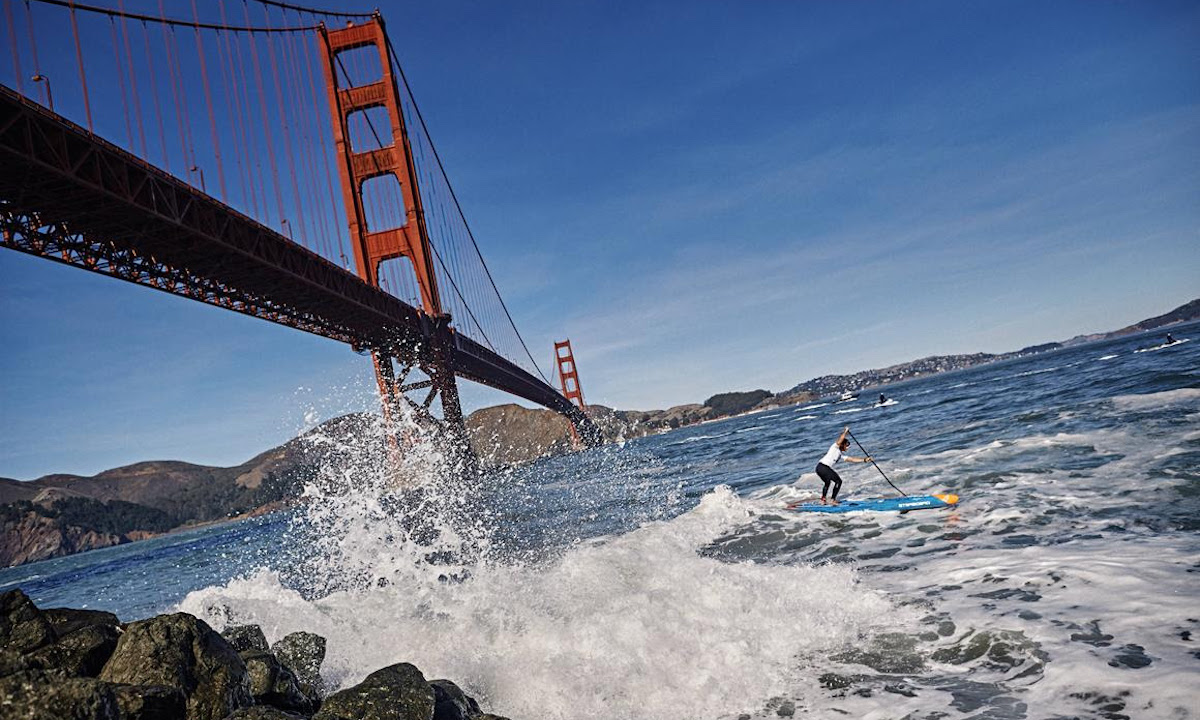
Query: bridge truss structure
{"points": [[68, 194]]}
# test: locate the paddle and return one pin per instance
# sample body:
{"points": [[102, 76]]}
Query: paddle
{"points": [[864, 450]]}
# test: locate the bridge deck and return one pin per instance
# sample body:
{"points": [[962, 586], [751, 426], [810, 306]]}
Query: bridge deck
{"points": [[70, 196]]}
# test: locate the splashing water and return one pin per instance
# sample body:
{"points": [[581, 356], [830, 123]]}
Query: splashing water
{"points": [[638, 625]]}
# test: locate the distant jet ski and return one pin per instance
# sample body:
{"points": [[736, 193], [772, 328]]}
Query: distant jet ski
{"points": [[1173, 342], [900, 504]]}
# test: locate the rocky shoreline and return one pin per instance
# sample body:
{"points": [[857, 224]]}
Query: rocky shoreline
{"points": [[62, 663]]}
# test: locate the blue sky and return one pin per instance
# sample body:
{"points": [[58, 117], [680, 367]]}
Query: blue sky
{"points": [[702, 196]]}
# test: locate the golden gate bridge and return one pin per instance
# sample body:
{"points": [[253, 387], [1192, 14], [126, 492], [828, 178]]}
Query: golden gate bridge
{"points": [[266, 158]]}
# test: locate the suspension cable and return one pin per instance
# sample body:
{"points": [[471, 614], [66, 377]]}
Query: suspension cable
{"points": [[314, 11], [458, 206], [173, 21], [436, 254]]}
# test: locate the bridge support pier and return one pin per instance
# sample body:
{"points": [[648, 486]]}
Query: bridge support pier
{"points": [[436, 363]]}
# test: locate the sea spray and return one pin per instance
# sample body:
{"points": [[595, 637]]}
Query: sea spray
{"points": [[377, 512], [641, 625], [637, 624]]}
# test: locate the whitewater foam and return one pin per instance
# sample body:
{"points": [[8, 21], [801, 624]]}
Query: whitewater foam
{"points": [[637, 625], [1153, 401]]}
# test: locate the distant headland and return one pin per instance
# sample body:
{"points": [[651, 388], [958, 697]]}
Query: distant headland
{"points": [[59, 515]]}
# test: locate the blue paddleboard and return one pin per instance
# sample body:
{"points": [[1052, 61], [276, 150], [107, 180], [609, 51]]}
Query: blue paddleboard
{"points": [[900, 504]]}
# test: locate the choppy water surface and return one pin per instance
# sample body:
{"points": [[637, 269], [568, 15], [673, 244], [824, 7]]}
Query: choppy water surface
{"points": [[665, 579]]}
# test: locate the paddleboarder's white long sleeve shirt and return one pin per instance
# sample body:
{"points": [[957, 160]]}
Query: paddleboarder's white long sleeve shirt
{"points": [[832, 456]]}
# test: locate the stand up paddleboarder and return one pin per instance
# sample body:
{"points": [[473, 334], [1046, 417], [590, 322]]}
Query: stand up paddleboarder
{"points": [[828, 475]]}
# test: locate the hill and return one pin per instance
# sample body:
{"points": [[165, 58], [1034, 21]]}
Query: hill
{"points": [[1183, 313], [61, 514], [736, 403], [836, 384]]}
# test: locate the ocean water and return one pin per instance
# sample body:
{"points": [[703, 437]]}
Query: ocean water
{"points": [[663, 578]]}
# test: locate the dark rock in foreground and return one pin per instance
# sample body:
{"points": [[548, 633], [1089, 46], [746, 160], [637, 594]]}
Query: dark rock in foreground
{"points": [[271, 683], [22, 626], [67, 620], [246, 638], [81, 653], [396, 692], [303, 652], [183, 652], [264, 712], [451, 703], [37, 695], [150, 702], [64, 664]]}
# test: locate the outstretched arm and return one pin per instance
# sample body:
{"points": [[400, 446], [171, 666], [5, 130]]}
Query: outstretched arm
{"points": [[847, 458]]}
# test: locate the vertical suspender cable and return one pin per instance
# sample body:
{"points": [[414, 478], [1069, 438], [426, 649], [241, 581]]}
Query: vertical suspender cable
{"points": [[212, 120], [174, 91], [299, 141], [37, 66], [316, 218], [87, 102], [240, 114], [183, 112], [311, 148], [256, 168], [288, 146], [162, 133], [12, 41], [327, 171], [230, 119], [112, 26], [298, 127], [177, 91], [266, 120], [133, 86]]}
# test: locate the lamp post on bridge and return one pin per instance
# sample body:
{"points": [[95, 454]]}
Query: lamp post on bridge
{"points": [[200, 171], [40, 78], [287, 228]]}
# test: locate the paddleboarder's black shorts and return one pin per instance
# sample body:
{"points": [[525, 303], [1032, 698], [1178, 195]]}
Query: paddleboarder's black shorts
{"points": [[829, 475]]}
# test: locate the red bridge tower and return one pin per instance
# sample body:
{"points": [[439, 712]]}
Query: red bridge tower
{"points": [[373, 246], [568, 374]]}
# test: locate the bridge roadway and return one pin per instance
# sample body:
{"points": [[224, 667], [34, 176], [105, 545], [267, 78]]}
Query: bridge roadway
{"points": [[71, 196]]}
